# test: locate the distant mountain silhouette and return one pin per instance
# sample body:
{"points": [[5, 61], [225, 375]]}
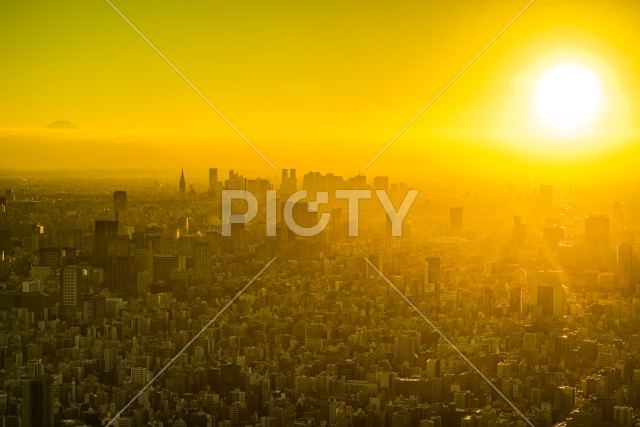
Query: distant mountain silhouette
{"points": [[61, 124]]}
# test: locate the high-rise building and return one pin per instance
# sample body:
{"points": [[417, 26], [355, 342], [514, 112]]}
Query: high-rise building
{"points": [[69, 284], [5, 240], [288, 183], [431, 273], [93, 308], [121, 276], [381, 183], [143, 258], [405, 348], [623, 416], [50, 257], [120, 201], [213, 180], [515, 299], [519, 231], [37, 397], [164, 264], [433, 368], [105, 230], [544, 298], [625, 267], [182, 185], [455, 219], [548, 293], [4, 401], [462, 399], [201, 260], [235, 181]]}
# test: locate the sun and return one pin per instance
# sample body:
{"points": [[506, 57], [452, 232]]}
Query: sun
{"points": [[567, 99]]}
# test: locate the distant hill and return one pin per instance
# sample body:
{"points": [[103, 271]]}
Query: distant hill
{"points": [[61, 124]]}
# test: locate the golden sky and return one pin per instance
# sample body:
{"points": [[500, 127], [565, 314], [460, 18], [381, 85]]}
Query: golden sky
{"points": [[317, 85]]}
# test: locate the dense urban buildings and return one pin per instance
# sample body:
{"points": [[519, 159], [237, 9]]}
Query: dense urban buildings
{"points": [[128, 307]]}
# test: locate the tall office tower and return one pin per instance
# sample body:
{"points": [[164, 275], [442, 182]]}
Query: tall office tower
{"points": [[5, 240], [519, 232], [36, 369], [213, 179], [431, 273], [50, 257], [488, 300], [625, 263], [37, 397], [357, 182], [406, 349], [69, 284], [455, 220], [235, 181], [105, 230], [201, 261], [433, 368], [597, 230], [163, 265], [381, 183], [120, 201], [515, 299], [121, 276], [546, 196], [544, 298], [4, 402], [142, 259], [94, 308], [182, 185], [548, 293], [289, 182], [635, 388]]}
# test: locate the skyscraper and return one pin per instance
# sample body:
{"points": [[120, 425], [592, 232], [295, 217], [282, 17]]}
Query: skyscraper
{"points": [[431, 273], [433, 368], [121, 276], [69, 283], [625, 263], [381, 183], [93, 308], [50, 257], [519, 231], [182, 185], [455, 220], [120, 201], [289, 182], [213, 179], [548, 293], [201, 263], [37, 397], [105, 230]]}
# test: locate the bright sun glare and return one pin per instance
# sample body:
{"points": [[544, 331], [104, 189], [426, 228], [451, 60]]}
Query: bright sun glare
{"points": [[568, 98]]}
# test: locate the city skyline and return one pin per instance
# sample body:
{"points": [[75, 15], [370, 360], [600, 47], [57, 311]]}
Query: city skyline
{"points": [[319, 214], [320, 99]]}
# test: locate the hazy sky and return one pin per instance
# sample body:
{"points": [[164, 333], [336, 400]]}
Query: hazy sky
{"points": [[316, 84]]}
